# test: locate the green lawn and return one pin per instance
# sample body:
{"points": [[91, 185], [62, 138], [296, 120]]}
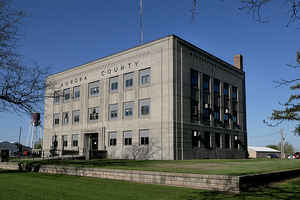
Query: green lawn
{"points": [[224, 167], [28, 186]]}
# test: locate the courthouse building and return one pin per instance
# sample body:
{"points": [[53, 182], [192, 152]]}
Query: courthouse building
{"points": [[166, 99]]}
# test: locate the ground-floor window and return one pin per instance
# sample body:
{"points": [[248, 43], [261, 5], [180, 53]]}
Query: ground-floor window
{"points": [[65, 141], [236, 142], [144, 137], [128, 137], [218, 140], [75, 138], [207, 140], [112, 138], [196, 137], [227, 141]]}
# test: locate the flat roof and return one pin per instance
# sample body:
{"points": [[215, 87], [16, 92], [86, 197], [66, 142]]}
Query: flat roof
{"points": [[147, 43], [263, 149]]}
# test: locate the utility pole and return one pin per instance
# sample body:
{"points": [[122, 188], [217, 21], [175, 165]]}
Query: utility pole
{"points": [[141, 22], [282, 142], [19, 145]]}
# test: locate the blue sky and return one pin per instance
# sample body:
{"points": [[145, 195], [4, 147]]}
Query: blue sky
{"points": [[62, 34]]}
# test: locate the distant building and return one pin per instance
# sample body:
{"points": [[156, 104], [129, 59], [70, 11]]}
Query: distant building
{"points": [[166, 96], [13, 147], [263, 152]]}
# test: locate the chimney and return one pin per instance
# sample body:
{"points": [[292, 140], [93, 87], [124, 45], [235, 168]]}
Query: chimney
{"points": [[238, 61]]}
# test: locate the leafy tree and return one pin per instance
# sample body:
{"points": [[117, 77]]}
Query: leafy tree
{"points": [[273, 146], [288, 148], [21, 86]]}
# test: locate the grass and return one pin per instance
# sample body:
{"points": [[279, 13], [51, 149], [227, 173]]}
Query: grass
{"points": [[27, 186], [220, 167]]}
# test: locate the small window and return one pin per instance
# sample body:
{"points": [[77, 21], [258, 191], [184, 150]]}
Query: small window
{"points": [[65, 140], [55, 119], [227, 141], [206, 84], [76, 93], [207, 140], [144, 137], [217, 115], [128, 80], [218, 140], [113, 82], [236, 142], [128, 109], [144, 107], [226, 89], [216, 86], [94, 89], [196, 138], [65, 118], [75, 138], [93, 114], [145, 77], [76, 116], [234, 94], [194, 79], [127, 138], [113, 112], [112, 138], [66, 94], [56, 97]]}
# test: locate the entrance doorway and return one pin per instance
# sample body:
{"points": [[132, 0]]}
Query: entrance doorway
{"points": [[91, 145]]}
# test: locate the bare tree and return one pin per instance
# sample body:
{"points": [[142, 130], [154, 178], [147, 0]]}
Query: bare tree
{"points": [[141, 152], [21, 86]]}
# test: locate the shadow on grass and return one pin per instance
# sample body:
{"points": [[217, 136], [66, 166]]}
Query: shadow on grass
{"points": [[289, 191], [10, 171]]}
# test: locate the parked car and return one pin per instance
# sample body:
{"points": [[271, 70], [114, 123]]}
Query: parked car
{"points": [[291, 157], [297, 155]]}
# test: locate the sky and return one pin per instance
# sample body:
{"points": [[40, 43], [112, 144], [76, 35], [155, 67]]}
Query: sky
{"points": [[60, 34]]}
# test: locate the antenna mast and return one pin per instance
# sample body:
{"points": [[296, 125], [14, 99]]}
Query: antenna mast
{"points": [[141, 22]]}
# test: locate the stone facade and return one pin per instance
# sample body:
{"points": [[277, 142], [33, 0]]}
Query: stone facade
{"points": [[147, 103]]}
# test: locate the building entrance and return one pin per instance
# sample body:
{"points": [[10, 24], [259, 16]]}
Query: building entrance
{"points": [[91, 145]]}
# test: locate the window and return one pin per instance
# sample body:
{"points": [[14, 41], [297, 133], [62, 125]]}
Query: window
{"points": [[196, 138], [234, 94], [227, 141], [56, 97], [217, 115], [94, 89], [66, 94], [75, 138], [226, 89], [128, 80], [76, 93], [65, 118], [226, 119], [144, 137], [112, 138], [113, 84], [206, 84], [76, 116], [93, 114], [194, 79], [216, 86], [128, 138], [128, 109], [218, 140], [144, 107], [236, 142], [65, 140], [145, 77], [207, 141], [195, 110], [113, 111], [54, 141], [55, 119]]}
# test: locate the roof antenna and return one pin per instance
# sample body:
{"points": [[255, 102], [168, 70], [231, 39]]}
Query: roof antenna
{"points": [[141, 22]]}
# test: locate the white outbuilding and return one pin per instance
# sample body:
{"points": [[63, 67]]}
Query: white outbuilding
{"points": [[263, 152]]}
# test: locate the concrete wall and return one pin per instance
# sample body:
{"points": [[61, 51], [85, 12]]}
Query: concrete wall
{"points": [[187, 58], [156, 55], [196, 181]]}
